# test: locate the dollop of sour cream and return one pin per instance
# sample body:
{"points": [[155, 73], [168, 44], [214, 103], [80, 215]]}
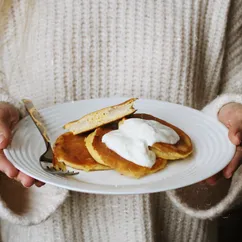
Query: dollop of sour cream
{"points": [[133, 138]]}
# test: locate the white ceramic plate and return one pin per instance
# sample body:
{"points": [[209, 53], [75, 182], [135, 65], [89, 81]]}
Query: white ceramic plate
{"points": [[212, 149]]}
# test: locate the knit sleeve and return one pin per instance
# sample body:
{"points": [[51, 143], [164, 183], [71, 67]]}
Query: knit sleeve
{"points": [[20, 205], [204, 201], [28, 206]]}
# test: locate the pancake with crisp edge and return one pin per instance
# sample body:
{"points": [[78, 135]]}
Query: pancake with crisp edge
{"points": [[71, 150], [105, 156]]}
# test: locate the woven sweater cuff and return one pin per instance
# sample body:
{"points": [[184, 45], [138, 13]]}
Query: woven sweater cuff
{"points": [[220, 201], [183, 199], [27, 206], [213, 108]]}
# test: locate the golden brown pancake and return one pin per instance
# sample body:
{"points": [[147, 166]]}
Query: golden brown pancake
{"points": [[71, 150], [181, 149], [103, 155], [101, 117]]}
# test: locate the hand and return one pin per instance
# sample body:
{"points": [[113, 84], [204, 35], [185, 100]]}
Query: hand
{"points": [[9, 116], [231, 116]]}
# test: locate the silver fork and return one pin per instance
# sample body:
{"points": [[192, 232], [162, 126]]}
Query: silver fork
{"points": [[47, 157]]}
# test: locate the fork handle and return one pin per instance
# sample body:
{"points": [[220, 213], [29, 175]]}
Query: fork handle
{"points": [[35, 116]]}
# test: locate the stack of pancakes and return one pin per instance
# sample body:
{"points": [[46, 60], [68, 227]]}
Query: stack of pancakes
{"points": [[82, 147]]}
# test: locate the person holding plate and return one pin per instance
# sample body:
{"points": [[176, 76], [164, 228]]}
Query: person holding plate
{"points": [[185, 52]]}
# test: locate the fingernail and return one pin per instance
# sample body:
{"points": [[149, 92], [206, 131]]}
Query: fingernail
{"points": [[25, 185], [39, 184], [238, 134], [212, 183], [2, 138], [228, 175]]}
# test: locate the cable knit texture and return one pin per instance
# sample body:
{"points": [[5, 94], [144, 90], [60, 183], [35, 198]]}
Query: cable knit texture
{"points": [[182, 51]]}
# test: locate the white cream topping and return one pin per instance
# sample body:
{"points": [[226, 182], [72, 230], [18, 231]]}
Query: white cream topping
{"points": [[133, 138]]}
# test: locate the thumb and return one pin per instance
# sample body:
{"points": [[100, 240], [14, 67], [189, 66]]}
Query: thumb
{"points": [[5, 133], [8, 118], [235, 134]]}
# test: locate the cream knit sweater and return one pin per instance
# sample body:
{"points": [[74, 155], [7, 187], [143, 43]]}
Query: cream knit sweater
{"points": [[181, 51]]}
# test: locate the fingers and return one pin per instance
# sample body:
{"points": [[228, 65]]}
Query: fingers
{"points": [[6, 167], [235, 134], [234, 164], [231, 116], [39, 183], [230, 112], [5, 134], [26, 181], [213, 180], [9, 117]]}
